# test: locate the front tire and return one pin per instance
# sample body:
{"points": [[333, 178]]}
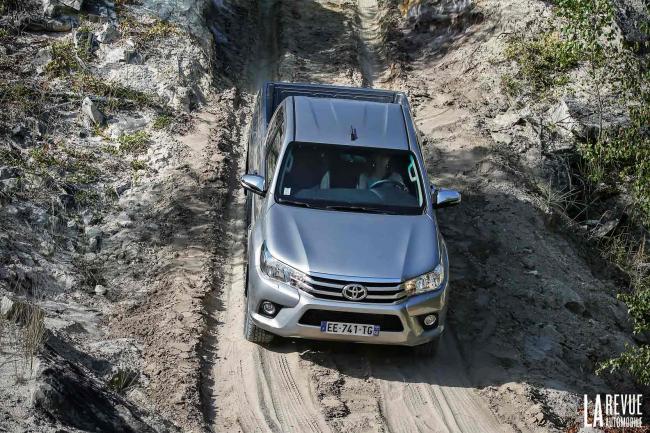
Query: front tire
{"points": [[427, 350], [252, 332]]}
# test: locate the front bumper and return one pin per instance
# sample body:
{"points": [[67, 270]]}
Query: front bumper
{"points": [[295, 303]]}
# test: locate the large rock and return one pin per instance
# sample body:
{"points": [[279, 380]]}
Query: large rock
{"points": [[9, 172], [85, 40], [52, 8], [108, 34], [181, 99], [574, 119], [6, 305], [42, 24], [510, 118], [42, 59], [90, 112], [67, 394], [126, 125], [94, 237]]}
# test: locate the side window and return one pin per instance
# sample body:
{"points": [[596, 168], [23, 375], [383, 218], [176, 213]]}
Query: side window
{"points": [[252, 138], [274, 144], [273, 154]]}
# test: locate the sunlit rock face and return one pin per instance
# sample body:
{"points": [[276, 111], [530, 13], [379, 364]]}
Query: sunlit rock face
{"points": [[190, 14], [416, 8]]}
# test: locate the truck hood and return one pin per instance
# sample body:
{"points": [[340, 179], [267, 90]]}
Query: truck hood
{"points": [[361, 245]]}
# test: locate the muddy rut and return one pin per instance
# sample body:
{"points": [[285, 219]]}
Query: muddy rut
{"points": [[305, 386]]}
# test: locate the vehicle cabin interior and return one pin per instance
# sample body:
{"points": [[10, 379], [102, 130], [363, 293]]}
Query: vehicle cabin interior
{"points": [[350, 175]]}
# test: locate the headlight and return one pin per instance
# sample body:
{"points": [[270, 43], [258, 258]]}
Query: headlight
{"points": [[427, 282], [278, 271]]}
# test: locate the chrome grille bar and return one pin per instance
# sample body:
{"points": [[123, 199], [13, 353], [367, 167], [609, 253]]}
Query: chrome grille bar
{"points": [[331, 289]]}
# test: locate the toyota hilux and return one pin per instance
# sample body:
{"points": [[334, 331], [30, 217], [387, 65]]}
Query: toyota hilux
{"points": [[343, 242]]}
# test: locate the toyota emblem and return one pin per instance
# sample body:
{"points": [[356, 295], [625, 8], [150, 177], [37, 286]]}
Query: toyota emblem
{"points": [[355, 292]]}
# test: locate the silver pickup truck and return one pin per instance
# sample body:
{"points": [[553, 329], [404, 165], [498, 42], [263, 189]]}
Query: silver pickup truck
{"points": [[343, 242]]}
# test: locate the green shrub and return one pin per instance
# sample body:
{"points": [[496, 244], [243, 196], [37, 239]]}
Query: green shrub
{"points": [[635, 360], [639, 308], [134, 143], [24, 97], [138, 164], [63, 59], [123, 380], [510, 85], [43, 158], [143, 34], [544, 61], [10, 157], [163, 121], [86, 197], [117, 95]]}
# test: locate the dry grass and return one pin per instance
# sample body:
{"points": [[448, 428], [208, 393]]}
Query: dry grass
{"points": [[123, 380], [25, 330]]}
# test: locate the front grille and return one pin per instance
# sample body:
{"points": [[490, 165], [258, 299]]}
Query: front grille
{"points": [[326, 288], [386, 322]]}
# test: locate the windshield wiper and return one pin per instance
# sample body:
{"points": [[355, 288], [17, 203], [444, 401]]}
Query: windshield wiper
{"points": [[353, 208], [294, 202]]}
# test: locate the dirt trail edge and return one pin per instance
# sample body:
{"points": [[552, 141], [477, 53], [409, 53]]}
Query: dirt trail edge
{"points": [[306, 386]]}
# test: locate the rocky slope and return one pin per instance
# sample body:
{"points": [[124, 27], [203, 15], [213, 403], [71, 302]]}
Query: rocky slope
{"points": [[110, 194]]}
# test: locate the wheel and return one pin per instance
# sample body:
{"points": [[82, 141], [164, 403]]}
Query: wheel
{"points": [[427, 350], [252, 332]]}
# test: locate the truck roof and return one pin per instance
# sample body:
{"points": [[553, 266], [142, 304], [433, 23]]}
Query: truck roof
{"points": [[332, 121]]}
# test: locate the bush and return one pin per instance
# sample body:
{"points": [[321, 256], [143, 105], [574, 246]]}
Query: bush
{"points": [[162, 121], [63, 59], [123, 380], [543, 62], [134, 143], [117, 95], [144, 34], [635, 360], [137, 165]]}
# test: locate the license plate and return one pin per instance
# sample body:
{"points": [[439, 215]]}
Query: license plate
{"points": [[349, 329]]}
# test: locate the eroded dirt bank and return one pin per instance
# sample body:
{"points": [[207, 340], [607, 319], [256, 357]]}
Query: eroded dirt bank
{"points": [[115, 167]]}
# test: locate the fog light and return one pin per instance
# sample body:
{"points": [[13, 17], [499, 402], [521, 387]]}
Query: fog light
{"points": [[429, 320], [268, 308]]}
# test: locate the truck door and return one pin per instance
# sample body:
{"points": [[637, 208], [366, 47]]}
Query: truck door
{"points": [[271, 154]]}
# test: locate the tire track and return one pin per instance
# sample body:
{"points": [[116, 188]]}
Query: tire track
{"points": [[256, 389], [371, 58], [434, 396], [290, 400]]}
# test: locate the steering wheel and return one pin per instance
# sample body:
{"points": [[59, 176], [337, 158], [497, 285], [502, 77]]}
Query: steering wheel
{"points": [[397, 183]]}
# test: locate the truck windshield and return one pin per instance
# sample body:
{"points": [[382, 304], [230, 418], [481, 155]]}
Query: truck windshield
{"points": [[349, 178]]}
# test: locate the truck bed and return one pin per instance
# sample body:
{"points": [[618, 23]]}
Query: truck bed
{"points": [[275, 92]]}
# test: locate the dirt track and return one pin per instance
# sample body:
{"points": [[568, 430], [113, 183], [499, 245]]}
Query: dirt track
{"points": [[514, 357], [306, 386]]}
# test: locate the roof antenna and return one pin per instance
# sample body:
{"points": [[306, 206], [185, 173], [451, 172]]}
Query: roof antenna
{"points": [[353, 133]]}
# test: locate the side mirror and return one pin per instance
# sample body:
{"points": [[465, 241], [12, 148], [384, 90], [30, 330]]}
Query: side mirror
{"points": [[253, 183], [444, 197]]}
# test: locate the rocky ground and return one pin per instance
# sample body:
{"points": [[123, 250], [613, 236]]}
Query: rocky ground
{"points": [[121, 240], [111, 192]]}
